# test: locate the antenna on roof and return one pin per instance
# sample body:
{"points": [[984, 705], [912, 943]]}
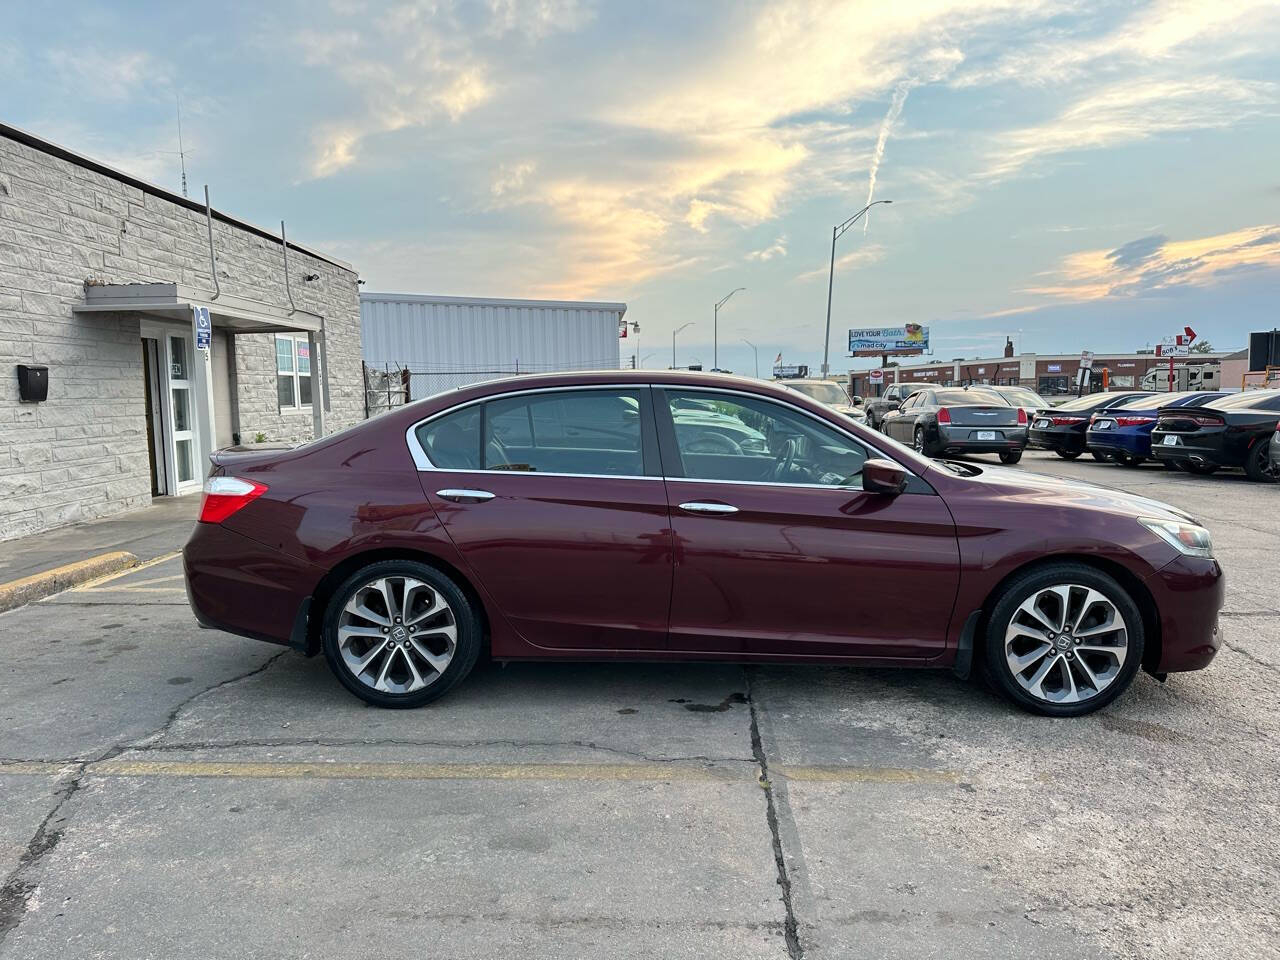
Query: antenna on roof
{"points": [[182, 156]]}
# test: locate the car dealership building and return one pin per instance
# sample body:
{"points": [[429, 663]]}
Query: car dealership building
{"points": [[141, 330]]}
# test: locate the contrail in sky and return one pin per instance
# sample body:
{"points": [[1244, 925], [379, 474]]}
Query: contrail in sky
{"points": [[886, 126]]}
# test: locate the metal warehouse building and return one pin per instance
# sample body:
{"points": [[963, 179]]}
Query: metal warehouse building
{"points": [[437, 343]]}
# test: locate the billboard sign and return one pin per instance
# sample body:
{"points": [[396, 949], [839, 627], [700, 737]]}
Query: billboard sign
{"points": [[791, 371], [910, 338]]}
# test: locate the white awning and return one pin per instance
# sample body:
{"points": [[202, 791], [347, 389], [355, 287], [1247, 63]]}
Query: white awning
{"points": [[172, 301]]}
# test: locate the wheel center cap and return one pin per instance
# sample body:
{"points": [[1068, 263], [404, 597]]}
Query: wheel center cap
{"points": [[399, 634], [1063, 642]]}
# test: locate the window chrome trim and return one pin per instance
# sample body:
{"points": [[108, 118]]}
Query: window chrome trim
{"points": [[423, 462]]}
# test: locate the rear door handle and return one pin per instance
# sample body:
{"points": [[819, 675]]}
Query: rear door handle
{"points": [[700, 506], [465, 496]]}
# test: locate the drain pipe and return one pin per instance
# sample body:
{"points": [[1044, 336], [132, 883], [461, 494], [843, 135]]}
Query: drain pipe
{"points": [[284, 244], [213, 259]]}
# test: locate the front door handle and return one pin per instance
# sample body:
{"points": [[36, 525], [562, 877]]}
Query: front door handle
{"points": [[465, 496], [701, 506]]}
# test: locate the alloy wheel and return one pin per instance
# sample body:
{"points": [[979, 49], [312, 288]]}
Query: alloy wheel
{"points": [[397, 634], [1066, 643], [919, 444]]}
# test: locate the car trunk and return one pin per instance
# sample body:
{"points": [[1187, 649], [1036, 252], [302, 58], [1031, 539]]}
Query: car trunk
{"points": [[980, 417]]}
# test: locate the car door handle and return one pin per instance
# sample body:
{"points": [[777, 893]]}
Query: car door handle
{"points": [[700, 506], [465, 496]]}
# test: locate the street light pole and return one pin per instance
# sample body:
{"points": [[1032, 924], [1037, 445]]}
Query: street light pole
{"points": [[757, 355], [673, 342], [715, 329], [836, 233]]}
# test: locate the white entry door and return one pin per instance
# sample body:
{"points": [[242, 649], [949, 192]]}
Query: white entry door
{"points": [[180, 412]]}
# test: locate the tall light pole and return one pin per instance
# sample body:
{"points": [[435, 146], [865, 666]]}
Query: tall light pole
{"points": [[715, 329], [757, 355], [836, 233], [673, 342]]}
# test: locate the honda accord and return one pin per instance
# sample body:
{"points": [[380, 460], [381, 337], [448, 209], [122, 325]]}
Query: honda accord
{"points": [[511, 519]]}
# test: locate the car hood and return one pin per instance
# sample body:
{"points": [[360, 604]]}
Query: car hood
{"points": [[1023, 485], [848, 410]]}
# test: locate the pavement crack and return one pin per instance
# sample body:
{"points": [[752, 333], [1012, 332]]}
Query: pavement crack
{"points": [[22, 883], [790, 925], [1234, 648]]}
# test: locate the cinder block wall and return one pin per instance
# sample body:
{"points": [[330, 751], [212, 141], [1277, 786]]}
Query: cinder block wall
{"points": [[83, 453]]}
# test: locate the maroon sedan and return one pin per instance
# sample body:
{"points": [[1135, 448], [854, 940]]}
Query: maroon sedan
{"points": [[643, 515]]}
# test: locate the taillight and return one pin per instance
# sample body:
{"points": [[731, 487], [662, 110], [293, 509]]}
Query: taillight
{"points": [[1134, 421], [1022, 415], [223, 496], [1066, 421], [944, 415]]}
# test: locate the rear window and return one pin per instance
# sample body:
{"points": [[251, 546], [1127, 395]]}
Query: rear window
{"points": [[1249, 398], [972, 397]]}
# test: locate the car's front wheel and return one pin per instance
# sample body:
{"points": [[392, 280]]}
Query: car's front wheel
{"points": [[399, 633], [1063, 640]]}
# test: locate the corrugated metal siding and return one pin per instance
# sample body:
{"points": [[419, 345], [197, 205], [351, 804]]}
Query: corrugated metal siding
{"points": [[448, 344]]}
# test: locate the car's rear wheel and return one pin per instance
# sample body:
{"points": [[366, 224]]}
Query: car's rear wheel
{"points": [[1063, 640], [1067, 454], [1257, 464], [1199, 469], [399, 633], [921, 445], [1010, 456]]}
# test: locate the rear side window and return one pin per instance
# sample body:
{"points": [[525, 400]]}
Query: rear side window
{"points": [[452, 442], [595, 432]]}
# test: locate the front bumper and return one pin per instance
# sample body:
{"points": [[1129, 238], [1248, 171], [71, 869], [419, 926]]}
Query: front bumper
{"points": [[1189, 594]]}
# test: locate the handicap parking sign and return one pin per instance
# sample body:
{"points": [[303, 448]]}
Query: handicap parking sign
{"points": [[204, 328]]}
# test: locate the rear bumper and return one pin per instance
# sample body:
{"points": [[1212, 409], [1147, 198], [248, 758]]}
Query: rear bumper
{"points": [[1113, 440], [1197, 453], [1189, 594], [1069, 440], [243, 587], [964, 438]]}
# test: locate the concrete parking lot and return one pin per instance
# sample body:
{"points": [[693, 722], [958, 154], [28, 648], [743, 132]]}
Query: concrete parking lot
{"points": [[175, 792]]}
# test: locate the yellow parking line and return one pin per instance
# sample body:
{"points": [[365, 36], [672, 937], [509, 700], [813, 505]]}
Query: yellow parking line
{"points": [[868, 775], [93, 584], [304, 770]]}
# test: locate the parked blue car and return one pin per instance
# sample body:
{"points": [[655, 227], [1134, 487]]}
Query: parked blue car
{"points": [[1123, 432]]}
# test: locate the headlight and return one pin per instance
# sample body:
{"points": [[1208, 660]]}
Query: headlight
{"points": [[1189, 539]]}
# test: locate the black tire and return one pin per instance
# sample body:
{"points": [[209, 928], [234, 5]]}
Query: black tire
{"points": [[466, 621], [1010, 456], [1257, 465], [1199, 469], [1100, 456], [921, 444], [1022, 587], [1068, 454], [1129, 459]]}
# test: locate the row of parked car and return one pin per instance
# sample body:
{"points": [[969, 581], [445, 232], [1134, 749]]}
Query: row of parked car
{"points": [[1200, 432]]}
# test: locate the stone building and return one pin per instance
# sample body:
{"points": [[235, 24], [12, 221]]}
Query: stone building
{"points": [[101, 279]]}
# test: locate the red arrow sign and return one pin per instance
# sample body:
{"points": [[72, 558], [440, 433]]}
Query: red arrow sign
{"points": [[1191, 334]]}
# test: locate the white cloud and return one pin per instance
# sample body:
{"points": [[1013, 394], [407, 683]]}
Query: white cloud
{"points": [[863, 255], [776, 249], [114, 76]]}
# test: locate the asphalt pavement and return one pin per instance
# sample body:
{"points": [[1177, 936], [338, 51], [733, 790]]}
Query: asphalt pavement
{"points": [[176, 792]]}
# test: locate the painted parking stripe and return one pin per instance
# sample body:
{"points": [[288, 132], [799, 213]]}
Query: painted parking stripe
{"points": [[307, 770]]}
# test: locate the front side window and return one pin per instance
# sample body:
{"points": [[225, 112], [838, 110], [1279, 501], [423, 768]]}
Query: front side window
{"points": [[293, 371], [796, 448]]}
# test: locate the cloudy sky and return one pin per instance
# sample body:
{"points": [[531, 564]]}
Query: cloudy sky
{"points": [[1071, 175]]}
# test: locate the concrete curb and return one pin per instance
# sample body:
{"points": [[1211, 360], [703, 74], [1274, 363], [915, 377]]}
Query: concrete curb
{"points": [[16, 593]]}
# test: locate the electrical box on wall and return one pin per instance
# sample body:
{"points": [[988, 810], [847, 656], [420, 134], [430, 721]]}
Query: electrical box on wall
{"points": [[33, 382]]}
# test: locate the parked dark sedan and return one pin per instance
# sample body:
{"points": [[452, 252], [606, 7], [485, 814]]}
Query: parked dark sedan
{"points": [[876, 407], [1123, 432], [1234, 431], [1062, 428], [943, 420], [475, 521]]}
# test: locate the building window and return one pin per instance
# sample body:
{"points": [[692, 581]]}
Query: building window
{"points": [[293, 371]]}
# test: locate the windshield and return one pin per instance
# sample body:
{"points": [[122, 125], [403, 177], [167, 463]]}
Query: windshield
{"points": [[824, 391]]}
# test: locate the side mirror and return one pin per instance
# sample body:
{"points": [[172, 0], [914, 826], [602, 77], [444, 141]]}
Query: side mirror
{"points": [[857, 401], [883, 476]]}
